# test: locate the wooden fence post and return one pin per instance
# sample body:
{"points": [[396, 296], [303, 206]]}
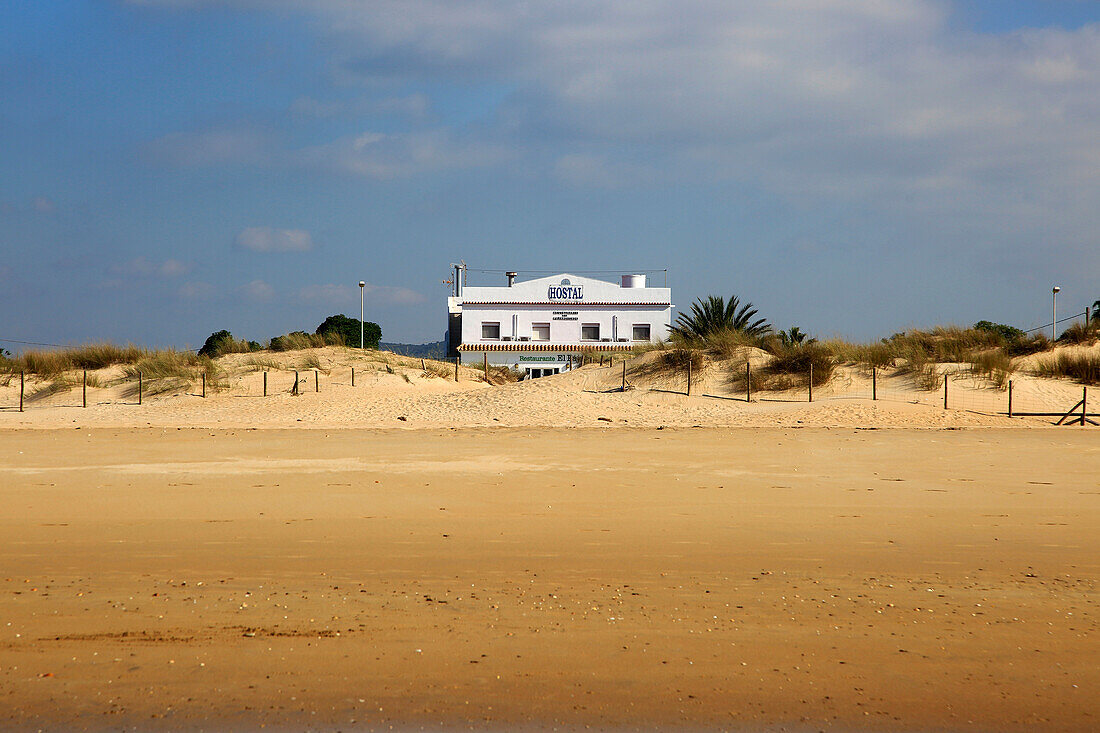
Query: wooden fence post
{"points": [[945, 391], [1084, 405], [811, 382], [85, 388], [874, 384], [624, 375], [204, 385], [353, 376], [265, 384], [21, 390], [748, 382], [1010, 398], [294, 391], [485, 364], [316, 381], [689, 374], [423, 366], [456, 368], [139, 387]]}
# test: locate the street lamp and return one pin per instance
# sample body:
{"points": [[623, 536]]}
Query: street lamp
{"points": [[1054, 313], [362, 285]]}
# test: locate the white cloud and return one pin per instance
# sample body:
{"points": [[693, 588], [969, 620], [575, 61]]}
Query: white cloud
{"points": [[258, 290], [195, 290], [267, 239], [348, 295], [882, 103], [145, 267]]}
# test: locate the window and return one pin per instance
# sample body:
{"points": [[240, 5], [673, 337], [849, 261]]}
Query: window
{"points": [[590, 332], [490, 330], [641, 332], [540, 331]]}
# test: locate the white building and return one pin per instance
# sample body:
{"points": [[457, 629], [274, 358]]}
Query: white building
{"points": [[543, 326]]}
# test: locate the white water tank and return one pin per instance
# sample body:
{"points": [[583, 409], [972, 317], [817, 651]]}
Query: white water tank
{"points": [[633, 281]]}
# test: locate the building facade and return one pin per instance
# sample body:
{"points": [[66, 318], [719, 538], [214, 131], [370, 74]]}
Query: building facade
{"points": [[543, 326]]}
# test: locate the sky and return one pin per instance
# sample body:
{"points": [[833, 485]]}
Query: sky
{"points": [[170, 168]]}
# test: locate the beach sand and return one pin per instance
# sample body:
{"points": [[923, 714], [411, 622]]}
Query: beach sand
{"points": [[797, 578]]}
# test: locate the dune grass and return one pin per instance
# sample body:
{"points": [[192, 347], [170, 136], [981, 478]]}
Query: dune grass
{"points": [[994, 365], [54, 362], [1084, 368]]}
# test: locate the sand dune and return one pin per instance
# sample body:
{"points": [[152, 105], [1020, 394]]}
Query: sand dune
{"points": [[393, 391]]}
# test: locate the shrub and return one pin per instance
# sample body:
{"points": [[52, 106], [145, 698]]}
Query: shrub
{"points": [[1032, 345], [222, 342], [1079, 333], [792, 365], [1007, 333], [348, 330]]}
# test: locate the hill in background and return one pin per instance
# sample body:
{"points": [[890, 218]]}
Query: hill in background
{"points": [[433, 350]]}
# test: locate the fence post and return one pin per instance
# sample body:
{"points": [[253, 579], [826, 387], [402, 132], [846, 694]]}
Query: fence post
{"points": [[1084, 404], [624, 375], [456, 368], [748, 382], [139, 387], [811, 382], [265, 384], [204, 385], [945, 391], [353, 376], [316, 381], [20, 390], [485, 364], [689, 374], [1010, 398], [874, 384], [85, 388], [423, 367], [294, 391]]}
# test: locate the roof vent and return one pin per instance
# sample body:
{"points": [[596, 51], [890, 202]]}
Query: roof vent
{"points": [[511, 278]]}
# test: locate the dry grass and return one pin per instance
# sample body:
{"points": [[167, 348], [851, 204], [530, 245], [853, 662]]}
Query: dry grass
{"points": [[300, 340], [1080, 334], [52, 387], [994, 365], [55, 362], [791, 366], [1084, 368]]}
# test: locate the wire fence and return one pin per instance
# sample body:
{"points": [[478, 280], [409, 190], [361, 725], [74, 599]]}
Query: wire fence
{"points": [[944, 388]]}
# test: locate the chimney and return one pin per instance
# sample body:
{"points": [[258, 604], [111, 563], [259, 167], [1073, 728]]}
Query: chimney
{"points": [[511, 278]]}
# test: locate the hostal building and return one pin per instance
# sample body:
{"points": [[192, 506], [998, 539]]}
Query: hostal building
{"points": [[542, 326]]}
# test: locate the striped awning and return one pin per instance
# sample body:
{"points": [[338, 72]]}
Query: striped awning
{"points": [[531, 346], [561, 304]]}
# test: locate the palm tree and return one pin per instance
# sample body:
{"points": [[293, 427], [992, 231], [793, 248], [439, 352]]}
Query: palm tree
{"points": [[714, 314], [1096, 311], [794, 336]]}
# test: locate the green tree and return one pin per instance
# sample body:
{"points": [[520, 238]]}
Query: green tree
{"points": [[1008, 333], [714, 314], [216, 343], [348, 329]]}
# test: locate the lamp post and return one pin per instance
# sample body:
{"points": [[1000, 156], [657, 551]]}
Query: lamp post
{"points": [[1054, 313], [362, 285]]}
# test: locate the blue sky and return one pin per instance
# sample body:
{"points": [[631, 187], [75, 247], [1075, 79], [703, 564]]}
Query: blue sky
{"points": [[169, 168]]}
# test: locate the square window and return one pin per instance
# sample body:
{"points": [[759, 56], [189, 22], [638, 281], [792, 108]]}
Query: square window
{"points": [[590, 332], [641, 332], [540, 331], [490, 330]]}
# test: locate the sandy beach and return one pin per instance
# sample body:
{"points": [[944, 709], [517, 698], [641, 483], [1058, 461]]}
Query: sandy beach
{"points": [[184, 578]]}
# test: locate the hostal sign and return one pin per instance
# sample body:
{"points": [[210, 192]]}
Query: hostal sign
{"points": [[565, 291]]}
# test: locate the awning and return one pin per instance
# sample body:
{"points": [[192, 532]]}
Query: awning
{"points": [[532, 346]]}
